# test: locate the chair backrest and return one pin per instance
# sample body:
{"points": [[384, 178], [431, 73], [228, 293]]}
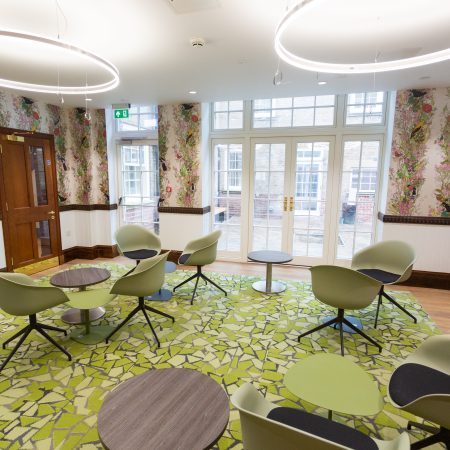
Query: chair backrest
{"points": [[343, 288], [262, 433], [135, 237], [202, 251], [391, 256], [146, 279], [20, 296]]}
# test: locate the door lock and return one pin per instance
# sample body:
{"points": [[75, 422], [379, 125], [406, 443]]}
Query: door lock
{"points": [[285, 201], [291, 204]]}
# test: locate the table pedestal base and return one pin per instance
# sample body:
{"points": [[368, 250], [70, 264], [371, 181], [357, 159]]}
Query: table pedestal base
{"points": [[74, 315], [275, 287], [163, 295], [353, 320], [95, 335]]}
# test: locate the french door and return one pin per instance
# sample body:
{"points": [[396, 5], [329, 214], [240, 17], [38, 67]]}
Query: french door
{"points": [[289, 192]]}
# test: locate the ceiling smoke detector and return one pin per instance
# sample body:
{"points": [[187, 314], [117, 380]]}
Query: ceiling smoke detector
{"points": [[197, 42]]}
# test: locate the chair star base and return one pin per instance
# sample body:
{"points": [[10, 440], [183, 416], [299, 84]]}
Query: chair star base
{"points": [[439, 435], [197, 277], [384, 294], [144, 308], [24, 332], [340, 322]]}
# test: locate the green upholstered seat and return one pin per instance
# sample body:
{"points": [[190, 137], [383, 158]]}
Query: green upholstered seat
{"points": [[200, 252], [421, 386], [343, 289], [146, 279], [266, 426], [21, 296], [389, 262], [89, 299]]}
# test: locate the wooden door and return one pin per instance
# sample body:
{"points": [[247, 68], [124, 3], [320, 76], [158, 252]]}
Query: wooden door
{"points": [[31, 220]]}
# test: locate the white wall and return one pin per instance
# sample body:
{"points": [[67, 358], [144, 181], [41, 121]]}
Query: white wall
{"points": [[431, 243]]}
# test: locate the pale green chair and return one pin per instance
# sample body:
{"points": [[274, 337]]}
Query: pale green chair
{"points": [[146, 279], [21, 296], [200, 252], [421, 386], [266, 426], [389, 262], [343, 289], [137, 243]]}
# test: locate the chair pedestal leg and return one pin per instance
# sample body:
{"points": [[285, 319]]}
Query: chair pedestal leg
{"points": [[323, 325], [26, 331], [364, 335], [392, 300], [443, 435]]}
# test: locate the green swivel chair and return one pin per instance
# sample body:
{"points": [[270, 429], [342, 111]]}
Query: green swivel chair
{"points": [[21, 296], [421, 386], [343, 289], [389, 262], [200, 252], [147, 278], [137, 243], [266, 426]]}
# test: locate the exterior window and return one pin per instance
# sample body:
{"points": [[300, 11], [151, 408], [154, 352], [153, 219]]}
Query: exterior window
{"points": [[294, 112], [140, 185], [141, 118], [235, 170], [366, 180], [365, 108], [307, 186], [228, 115]]}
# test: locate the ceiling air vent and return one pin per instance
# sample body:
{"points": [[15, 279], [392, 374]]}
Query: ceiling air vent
{"points": [[192, 6]]}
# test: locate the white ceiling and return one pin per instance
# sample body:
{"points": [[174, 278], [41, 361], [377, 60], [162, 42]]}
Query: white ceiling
{"points": [[149, 42]]}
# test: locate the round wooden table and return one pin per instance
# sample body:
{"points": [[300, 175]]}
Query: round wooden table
{"points": [[164, 409], [334, 383], [80, 278], [269, 257]]}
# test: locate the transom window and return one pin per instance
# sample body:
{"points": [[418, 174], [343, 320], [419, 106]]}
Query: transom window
{"points": [[294, 111], [140, 118], [228, 115], [365, 108]]}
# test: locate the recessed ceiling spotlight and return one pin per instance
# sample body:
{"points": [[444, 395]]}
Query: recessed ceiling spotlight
{"points": [[89, 99], [426, 77], [321, 83], [192, 92]]}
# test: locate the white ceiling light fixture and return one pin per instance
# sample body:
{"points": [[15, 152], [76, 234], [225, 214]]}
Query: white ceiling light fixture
{"points": [[192, 92], [304, 6], [69, 51]]}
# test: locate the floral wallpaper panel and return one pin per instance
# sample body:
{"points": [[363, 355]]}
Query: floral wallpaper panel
{"points": [[179, 155], [80, 145], [419, 174]]}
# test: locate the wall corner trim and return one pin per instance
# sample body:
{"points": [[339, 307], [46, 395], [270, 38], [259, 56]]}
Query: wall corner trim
{"points": [[418, 220]]}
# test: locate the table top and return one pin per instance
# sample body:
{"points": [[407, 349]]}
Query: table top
{"points": [[270, 256], [76, 278], [335, 383], [164, 409]]}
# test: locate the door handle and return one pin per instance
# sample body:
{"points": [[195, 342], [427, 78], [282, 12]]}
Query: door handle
{"points": [[51, 213], [291, 204], [285, 204]]}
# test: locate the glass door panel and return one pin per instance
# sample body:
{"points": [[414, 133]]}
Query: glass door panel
{"points": [[309, 202], [358, 196], [268, 195], [227, 195]]}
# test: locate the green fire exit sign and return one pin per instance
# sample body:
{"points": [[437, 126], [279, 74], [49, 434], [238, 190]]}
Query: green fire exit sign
{"points": [[121, 113]]}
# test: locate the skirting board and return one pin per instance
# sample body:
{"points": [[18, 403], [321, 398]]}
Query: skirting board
{"points": [[433, 280], [98, 251]]}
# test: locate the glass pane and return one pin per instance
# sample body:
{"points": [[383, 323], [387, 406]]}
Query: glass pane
{"points": [[261, 184], [274, 239], [352, 151], [260, 238], [281, 118], [362, 240], [43, 238], [374, 97], [303, 117], [356, 99], [236, 120], [282, 102], [324, 116], [303, 101], [373, 114], [320, 155], [354, 115], [38, 176], [325, 100], [129, 124], [261, 119], [345, 245], [277, 155], [220, 106], [262, 104], [220, 120], [262, 156], [148, 121], [236, 105], [315, 243], [132, 214]]}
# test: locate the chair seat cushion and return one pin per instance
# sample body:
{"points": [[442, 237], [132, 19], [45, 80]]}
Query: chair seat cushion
{"points": [[140, 254], [184, 258], [380, 275], [91, 298], [411, 381], [323, 428]]}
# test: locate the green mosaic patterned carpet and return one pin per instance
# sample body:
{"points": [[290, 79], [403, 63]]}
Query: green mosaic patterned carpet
{"points": [[47, 402]]}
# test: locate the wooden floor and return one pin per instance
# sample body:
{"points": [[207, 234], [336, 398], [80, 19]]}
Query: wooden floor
{"points": [[436, 302]]}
